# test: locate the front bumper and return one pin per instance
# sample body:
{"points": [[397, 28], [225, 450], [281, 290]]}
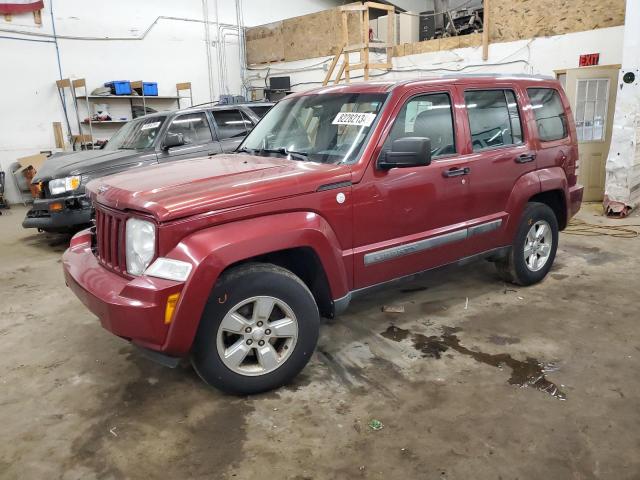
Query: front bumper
{"points": [[132, 308], [75, 212]]}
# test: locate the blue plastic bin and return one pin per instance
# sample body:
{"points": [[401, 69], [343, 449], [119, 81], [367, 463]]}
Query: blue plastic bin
{"points": [[119, 87], [150, 89]]}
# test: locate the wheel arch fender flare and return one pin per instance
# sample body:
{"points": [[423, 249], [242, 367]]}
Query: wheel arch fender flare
{"points": [[214, 249], [525, 187]]}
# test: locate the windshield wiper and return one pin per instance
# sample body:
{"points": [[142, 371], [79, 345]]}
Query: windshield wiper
{"points": [[289, 153]]}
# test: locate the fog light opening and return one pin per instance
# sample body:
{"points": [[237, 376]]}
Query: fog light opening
{"points": [[56, 207]]}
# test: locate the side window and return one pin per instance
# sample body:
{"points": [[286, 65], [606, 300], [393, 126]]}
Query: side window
{"points": [[493, 118], [248, 123], [428, 116], [260, 110], [231, 123], [551, 118], [194, 128]]}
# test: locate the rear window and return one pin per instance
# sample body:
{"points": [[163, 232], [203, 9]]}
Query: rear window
{"points": [[551, 119]]}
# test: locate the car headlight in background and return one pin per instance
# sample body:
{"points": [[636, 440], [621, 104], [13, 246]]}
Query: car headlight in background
{"points": [[61, 185], [141, 245], [169, 269]]}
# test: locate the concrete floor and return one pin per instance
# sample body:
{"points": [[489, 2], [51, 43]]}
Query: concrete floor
{"points": [[444, 378]]}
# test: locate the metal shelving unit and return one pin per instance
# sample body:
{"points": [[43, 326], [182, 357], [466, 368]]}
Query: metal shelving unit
{"points": [[80, 96]]}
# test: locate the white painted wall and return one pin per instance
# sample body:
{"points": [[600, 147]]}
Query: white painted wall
{"points": [[538, 56], [159, 40]]}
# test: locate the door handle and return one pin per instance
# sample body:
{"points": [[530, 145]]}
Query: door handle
{"points": [[525, 157], [456, 172]]}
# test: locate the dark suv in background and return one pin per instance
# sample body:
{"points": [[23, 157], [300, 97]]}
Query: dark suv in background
{"points": [[157, 138]]}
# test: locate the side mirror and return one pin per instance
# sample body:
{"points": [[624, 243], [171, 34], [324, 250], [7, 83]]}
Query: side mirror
{"points": [[173, 140], [407, 152]]}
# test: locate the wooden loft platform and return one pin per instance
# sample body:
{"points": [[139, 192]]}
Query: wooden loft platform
{"points": [[364, 46]]}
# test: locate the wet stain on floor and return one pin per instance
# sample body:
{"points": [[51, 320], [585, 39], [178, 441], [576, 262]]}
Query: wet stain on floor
{"points": [[593, 255], [503, 340], [396, 334], [528, 373]]}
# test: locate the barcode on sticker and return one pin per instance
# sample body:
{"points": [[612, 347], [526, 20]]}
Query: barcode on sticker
{"points": [[149, 126], [352, 118]]}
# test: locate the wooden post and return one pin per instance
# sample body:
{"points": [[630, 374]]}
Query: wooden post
{"points": [[365, 42], [57, 134], [485, 30], [391, 34], [327, 76], [345, 42]]}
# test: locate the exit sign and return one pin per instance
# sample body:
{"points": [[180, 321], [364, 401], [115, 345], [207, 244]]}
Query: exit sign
{"points": [[589, 60]]}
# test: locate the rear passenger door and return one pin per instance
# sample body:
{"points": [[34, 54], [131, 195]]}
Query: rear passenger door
{"points": [[499, 152], [232, 126], [197, 134]]}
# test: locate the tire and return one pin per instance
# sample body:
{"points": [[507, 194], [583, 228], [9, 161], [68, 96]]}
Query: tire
{"points": [[222, 340], [514, 268]]}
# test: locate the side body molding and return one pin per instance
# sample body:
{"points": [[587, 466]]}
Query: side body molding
{"points": [[213, 249]]}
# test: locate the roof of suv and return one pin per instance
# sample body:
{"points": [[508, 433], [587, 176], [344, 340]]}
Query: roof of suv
{"points": [[384, 86], [198, 108]]}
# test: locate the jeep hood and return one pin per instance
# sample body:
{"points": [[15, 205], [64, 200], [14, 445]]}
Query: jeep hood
{"points": [[188, 187], [90, 162]]}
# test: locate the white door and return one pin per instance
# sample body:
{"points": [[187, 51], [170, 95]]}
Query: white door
{"points": [[592, 93]]}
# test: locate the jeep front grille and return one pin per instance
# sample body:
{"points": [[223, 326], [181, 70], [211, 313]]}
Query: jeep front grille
{"points": [[110, 239]]}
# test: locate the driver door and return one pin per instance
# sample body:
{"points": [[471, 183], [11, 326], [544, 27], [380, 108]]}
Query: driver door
{"points": [[407, 220], [196, 132]]}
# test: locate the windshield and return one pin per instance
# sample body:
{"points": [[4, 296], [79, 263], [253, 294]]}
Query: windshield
{"points": [[137, 134], [327, 128]]}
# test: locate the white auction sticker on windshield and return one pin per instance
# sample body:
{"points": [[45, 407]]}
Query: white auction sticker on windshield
{"points": [[354, 118], [149, 126]]}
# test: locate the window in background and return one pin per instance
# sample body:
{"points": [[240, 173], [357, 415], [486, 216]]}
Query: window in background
{"points": [[493, 118], [591, 109], [551, 118], [260, 110], [194, 128], [231, 123]]}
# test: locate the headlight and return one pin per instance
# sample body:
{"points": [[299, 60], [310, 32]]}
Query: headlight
{"points": [[141, 245], [170, 269], [61, 185]]}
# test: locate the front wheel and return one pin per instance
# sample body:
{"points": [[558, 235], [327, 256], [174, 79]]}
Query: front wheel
{"points": [[534, 247], [258, 330]]}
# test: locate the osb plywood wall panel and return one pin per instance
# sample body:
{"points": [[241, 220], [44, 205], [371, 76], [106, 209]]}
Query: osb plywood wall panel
{"points": [[320, 34], [309, 36], [265, 43], [518, 19]]}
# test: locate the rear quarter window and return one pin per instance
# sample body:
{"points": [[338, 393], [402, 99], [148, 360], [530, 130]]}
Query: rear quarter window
{"points": [[551, 118]]}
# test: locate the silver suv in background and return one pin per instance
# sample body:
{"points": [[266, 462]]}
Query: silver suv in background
{"points": [[160, 137]]}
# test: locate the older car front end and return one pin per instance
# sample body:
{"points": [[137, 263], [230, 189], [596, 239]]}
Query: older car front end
{"points": [[61, 205]]}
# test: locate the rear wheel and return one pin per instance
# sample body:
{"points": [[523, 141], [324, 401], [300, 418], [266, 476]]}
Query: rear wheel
{"points": [[258, 330], [534, 247]]}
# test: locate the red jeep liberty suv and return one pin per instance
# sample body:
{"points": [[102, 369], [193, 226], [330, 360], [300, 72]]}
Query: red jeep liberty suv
{"points": [[232, 259]]}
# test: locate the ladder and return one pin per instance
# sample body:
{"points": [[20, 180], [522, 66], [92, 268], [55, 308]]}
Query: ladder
{"points": [[365, 44]]}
